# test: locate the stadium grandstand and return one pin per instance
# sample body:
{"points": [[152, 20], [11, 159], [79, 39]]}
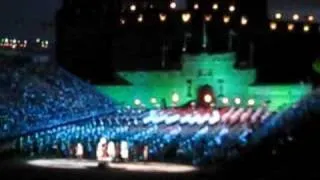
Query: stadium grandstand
{"points": [[47, 111], [38, 95]]}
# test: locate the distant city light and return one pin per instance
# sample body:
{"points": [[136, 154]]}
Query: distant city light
{"points": [[311, 18], [278, 15], [306, 28], [295, 17], [38, 40], [273, 26], [290, 27]]}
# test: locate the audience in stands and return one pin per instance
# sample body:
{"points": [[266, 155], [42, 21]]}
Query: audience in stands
{"points": [[34, 96]]}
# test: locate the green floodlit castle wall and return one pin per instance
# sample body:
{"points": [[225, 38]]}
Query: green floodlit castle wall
{"points": [[216, 71]]}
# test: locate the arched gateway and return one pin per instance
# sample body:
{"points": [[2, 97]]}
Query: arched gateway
{"points": [[205, 96]]}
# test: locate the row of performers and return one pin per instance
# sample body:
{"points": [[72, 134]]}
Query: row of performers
{"points": [[114, 152]]}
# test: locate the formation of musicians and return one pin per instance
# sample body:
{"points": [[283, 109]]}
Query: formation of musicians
{"points": [[110, 151]]}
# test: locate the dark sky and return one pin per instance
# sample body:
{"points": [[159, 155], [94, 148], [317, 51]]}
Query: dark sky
{"points": [[289, 7], [23, 18]]}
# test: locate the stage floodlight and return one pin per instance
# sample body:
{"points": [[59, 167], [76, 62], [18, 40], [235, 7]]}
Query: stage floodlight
{"points": [[207, 98], [175, 98], [122, 21], [207, 17], [232, 8], [186, 17], [196, 6], [133, 7], [251, 102], [237, 101], [204, 45], [140, 18], [290, 27], [306, 28], [244, 20], [226, 19], [311, 18], [273, 26], [278, 16], [215, 6], [137, 102], [173, 5], [163, 17], [153, 100], [225, 100]]}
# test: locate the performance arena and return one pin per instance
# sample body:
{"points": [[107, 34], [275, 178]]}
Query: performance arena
{"points": [[46, 112]]}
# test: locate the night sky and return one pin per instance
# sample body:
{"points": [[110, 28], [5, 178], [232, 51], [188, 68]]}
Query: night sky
{"points": [[29, 18], [289, 7]]}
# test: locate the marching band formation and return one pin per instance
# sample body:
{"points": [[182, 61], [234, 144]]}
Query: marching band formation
{"points": [[115, 152]]}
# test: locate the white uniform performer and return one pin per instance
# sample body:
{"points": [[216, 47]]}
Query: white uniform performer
{"points": [[111, 150], [124, 150], [79, 151], [145, 153], [101, 152]]}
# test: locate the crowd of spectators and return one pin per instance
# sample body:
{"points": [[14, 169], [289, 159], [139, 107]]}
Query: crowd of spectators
{"points": [[35, 95]]}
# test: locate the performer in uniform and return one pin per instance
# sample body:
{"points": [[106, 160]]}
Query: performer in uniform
{"points": [[124, 150], [118, 152], [101, 152], [145, 153], [79, 151], [111, 150]]}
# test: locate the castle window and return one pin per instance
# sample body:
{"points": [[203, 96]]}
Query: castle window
{"points": [[200, 73], [210, 72]]}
